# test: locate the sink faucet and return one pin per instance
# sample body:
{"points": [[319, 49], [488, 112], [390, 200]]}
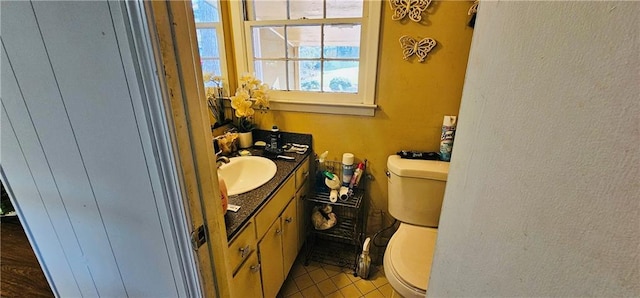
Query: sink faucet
{"points": [[221, 160]]}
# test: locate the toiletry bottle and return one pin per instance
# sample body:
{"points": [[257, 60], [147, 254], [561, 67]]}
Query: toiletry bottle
{"points": [[320, 186], [356, 176], [347, 168], [275, 138]]}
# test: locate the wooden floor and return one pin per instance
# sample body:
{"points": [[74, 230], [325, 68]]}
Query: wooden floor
{"points": [[21, 275]]}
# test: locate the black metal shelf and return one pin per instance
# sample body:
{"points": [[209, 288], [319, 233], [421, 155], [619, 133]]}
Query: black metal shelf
{"points": [[339, 254], [339, 245], [353, 201], [344, 229]]}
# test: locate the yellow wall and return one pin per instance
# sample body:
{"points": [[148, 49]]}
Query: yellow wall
{"points": [[412, 97]]}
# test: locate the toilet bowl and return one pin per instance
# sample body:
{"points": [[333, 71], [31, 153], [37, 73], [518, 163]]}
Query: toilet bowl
{"points": [[407, 259], [416, 189]]}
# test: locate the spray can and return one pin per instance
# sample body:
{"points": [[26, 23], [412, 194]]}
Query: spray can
{"points": [[275, 139], [446, 139], [347, 168]]}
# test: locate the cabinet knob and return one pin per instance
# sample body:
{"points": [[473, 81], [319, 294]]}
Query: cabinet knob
{"points": [[278, 231], [288, 219], [244, 251], [255, 268]]}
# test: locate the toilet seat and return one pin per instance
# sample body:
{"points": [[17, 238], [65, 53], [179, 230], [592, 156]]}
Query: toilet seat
{"points": [[407, 259]]}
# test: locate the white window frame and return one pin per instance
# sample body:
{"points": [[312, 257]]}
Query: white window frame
{"points": [[361, 103], [219, 27]]}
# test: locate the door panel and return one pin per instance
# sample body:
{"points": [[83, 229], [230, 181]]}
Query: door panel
{"points": [[289, 235], [246, 282], [270, 249]]}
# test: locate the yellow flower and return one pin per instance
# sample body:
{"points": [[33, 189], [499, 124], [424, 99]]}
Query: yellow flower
{"points": [[206, 77], [246, 78], [261, 96], [262, 103], [217, 80], [252, 94], [242, 104], [249, 81], [244, 109]]}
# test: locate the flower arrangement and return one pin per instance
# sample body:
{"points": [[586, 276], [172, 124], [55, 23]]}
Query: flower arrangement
{"points": [[252, 95], [214, 96]]}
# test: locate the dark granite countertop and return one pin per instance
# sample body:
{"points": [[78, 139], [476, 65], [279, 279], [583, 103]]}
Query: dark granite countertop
{"points": [[250, 202]]}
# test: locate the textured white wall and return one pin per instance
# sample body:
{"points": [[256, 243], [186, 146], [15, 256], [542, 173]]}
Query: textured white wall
{"points": [[543, 197]]}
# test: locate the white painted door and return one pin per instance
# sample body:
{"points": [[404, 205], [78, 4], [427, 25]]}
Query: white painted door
{"points": [[79, 155]]}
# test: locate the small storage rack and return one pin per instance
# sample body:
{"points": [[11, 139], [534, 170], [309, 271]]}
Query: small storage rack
{"points": [[341, 244]]}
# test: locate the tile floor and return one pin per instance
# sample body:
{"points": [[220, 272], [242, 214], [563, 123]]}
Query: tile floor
{"points": [[321, 280]]}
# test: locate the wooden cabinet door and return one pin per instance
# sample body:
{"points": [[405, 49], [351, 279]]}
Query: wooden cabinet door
{"points": [[301, 213], [289, 235], [270, 249], [246, 282]]}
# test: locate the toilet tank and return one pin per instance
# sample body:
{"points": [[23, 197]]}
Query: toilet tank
{"points": [[416, 189]]}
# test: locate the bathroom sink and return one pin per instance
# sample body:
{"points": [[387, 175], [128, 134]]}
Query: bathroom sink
{"points": [[246, 173]]}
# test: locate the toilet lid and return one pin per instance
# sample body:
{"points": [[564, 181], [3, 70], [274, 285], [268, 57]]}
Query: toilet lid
{"points": [[411, 253]]}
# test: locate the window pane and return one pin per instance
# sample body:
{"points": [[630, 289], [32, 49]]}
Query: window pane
{"points": [[303, 41], [308, 52], [208, 43], [342, 41], [306, 75], [342, 52], [293, 75], [345, 8], [205, 11], [310, 9], [268, 10], [268, 42], [211, 66], [340, 76], [272, 72]]}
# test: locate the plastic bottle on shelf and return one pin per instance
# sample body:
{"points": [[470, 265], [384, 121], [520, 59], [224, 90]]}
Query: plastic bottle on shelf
{"points": [[347, 168], [357, 174], [319, 171]]}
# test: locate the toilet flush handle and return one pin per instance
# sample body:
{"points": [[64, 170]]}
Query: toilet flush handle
{"points": [[387, 173]]}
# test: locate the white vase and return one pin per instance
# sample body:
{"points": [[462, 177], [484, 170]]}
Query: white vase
{"points": [[245, 139]]}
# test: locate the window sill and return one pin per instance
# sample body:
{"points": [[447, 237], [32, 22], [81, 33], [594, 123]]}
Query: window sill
{"points": [[324, 108]]}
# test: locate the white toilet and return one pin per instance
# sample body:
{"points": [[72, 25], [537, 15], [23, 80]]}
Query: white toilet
{"points": [[416, 190]]}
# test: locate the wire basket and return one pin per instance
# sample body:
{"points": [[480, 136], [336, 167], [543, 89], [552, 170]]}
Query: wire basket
{"points": [[334, 167]]}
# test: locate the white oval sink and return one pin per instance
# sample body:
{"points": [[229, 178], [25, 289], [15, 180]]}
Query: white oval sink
{"points": [[246, 173]]}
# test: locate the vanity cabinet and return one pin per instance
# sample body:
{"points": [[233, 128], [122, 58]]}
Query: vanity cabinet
{"points": [[243, 258], [270, 250], [271, 211], [265, 250], [241, 247], [278, 249], [302, 191], [289, 222], [246, 281]]}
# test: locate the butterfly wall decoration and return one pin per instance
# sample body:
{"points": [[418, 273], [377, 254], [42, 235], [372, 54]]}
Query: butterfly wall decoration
{"points": [[412, 8], [411, 46], [473, 10]]}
